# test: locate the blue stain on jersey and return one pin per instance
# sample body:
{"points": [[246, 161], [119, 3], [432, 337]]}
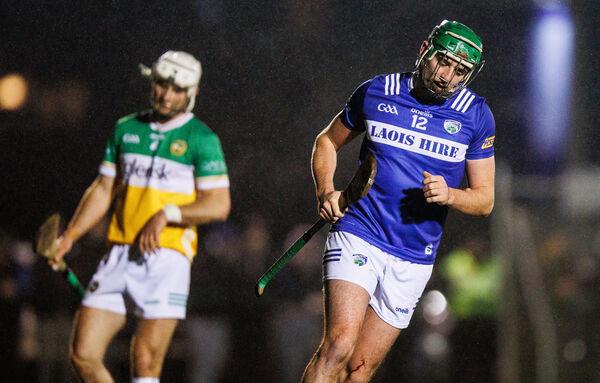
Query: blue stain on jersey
{"points": [[407, 137]]}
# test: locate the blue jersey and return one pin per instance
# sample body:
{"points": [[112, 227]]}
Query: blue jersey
{"points": [[407, 137]]}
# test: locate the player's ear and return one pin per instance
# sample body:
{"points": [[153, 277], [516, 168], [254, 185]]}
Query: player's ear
{"points": [[195, 97], [424, 46]]}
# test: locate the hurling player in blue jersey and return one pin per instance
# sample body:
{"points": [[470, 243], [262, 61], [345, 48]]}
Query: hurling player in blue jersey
{"points": [[426, 130]]}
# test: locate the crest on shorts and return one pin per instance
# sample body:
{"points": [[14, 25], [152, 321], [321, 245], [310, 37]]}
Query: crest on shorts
{"points": [[178, 147], [93, 286], [452, 126], [359, 259], [429, 249]]}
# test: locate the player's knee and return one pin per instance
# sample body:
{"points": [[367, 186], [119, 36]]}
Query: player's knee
{"points": [[147, 359], [84, 359], [338, 348], [77, 360], [359, 372]]}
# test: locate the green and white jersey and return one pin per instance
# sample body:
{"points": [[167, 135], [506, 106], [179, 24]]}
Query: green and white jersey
{"points": [[159, 164]]}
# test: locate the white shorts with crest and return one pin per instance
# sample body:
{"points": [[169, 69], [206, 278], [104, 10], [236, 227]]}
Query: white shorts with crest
{"points": [[154, 286], [394, 285]]}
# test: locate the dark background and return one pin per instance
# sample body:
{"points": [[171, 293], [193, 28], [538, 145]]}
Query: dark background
{"points": [[275, 73]]}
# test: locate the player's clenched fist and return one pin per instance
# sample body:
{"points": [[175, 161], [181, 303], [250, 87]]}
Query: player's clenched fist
{"points": [[329, 206], [149, 238], [436, 190], [62, 245]]}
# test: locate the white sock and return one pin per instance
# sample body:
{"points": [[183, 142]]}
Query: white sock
{"points": [[145, 380]]}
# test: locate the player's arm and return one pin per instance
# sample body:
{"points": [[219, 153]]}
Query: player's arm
{"points": [[92, 207], [477, 199], [211, 205], [324, 162]]}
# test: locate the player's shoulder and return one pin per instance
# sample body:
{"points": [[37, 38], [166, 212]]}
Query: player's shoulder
{"points": [[199, 128], [379, 79], [389, 77], [134, 119], [130, 123], [388, 84], [472, 107], [373, 84], [467, 101], [200, 135], [198, 125]]}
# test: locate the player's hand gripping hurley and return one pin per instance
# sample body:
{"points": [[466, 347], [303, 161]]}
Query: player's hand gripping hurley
{"points": [[358, 187], [45, 246]]}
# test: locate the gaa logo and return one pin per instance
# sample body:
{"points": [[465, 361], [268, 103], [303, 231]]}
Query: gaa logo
{"points": [[359, 259], [387, 108], [129, 138], [452, 126]]}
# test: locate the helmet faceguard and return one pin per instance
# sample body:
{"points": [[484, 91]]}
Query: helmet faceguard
{"points": [[181, 69], [457, 42]]}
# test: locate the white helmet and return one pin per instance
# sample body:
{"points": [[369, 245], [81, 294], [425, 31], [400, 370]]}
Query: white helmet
{"points": [[179, 67]]}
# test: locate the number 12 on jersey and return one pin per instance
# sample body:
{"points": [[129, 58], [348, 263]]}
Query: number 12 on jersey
{"points": [[418, 122]]}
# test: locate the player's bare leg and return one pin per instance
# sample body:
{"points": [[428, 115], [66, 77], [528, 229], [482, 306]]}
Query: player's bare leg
{"points": [[374, 342], [346, 304], [93, 330], [149, 346]]}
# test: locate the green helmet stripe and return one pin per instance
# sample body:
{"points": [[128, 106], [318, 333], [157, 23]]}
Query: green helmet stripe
{"points": [[466, 40]]}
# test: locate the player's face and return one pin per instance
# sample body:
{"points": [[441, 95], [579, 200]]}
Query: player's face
{"points": [[168, 100], [442, 75]]}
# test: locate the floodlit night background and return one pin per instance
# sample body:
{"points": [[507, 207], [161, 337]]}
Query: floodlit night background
{"points": [[514, 298]]}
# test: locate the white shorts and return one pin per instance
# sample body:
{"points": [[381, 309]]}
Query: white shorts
{"points": [[394, 285], [153, 285]]}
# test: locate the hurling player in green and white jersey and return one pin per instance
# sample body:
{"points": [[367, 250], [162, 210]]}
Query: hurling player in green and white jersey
{"points": [[165, 172]]}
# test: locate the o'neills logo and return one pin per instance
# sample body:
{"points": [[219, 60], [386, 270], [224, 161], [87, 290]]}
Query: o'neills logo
{"points": [[421, 113], [136, 169], [416, 142]]}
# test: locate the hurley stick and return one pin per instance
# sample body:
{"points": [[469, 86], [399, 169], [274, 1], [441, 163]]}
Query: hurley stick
{"points": [[358, 187], [45, 245]]}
